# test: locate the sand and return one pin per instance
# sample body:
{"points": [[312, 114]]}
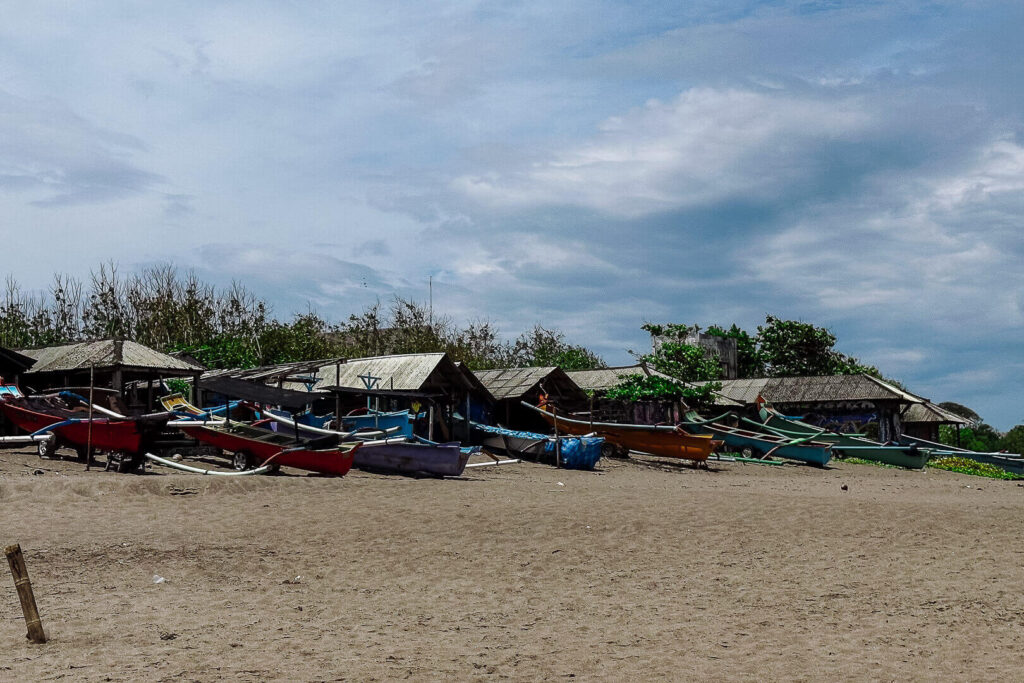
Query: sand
{"points": [[644, 570]]}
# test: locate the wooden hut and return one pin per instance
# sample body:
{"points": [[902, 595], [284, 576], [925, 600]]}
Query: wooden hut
{"points": [[838, 402], [511, 386], [430, 382], [922, 420], [112, 364]]}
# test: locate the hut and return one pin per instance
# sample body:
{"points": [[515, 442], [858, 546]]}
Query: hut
{"points": [[511, 386], [126, 367], [838, 402], [430, 381], [922, 420], [13, 364]]}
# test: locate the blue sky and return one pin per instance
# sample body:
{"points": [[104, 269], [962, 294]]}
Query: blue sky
{"points": [[589, 165]]}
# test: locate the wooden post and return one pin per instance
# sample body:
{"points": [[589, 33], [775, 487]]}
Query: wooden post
{"points": [[88, 438], [558, 442], [24, 588]]}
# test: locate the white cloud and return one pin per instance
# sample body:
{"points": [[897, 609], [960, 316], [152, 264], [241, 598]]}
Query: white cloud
{"points": [[707, 145]]}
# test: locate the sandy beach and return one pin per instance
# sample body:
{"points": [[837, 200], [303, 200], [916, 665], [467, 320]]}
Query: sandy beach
{"points": [[643, 570]]}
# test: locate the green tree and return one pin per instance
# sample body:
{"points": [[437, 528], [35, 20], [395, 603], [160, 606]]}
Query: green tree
{"points": [[1013, 440], [542, 347], [749, 361]]}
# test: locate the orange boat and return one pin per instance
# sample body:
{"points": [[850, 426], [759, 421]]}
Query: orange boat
{"points": [[664, 440]]}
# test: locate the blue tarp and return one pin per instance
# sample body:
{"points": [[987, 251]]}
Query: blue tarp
{"points": [[578, 452]]}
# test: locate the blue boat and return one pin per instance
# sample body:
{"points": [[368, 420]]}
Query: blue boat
{"points": [[379, 421], [577, 452]]}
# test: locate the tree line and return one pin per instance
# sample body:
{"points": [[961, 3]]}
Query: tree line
{"points": [[233, 328]]}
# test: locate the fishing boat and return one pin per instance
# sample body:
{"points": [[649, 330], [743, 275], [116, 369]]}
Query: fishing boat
{"points": [[570, 452], [391, 422], [1011, 462], [404, 457], [843, 445], [750, 443], [253, 447], [664, 440], [65, 417]]}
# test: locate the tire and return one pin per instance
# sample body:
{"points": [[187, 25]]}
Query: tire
{"points": [[241, 461], [46, 447], [747, 452]]}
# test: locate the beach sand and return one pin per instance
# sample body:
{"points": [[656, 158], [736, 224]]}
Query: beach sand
{"points": [[644, 570]]}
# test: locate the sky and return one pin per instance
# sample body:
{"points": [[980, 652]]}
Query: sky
{"points": [[589, 166]]}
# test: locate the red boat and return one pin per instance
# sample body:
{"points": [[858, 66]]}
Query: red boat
{"points": [[255, 447], [71, 425]]}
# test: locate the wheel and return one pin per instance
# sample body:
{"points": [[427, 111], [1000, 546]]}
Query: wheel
{"points": [[747, 452], [241, 461], [46, 447]]}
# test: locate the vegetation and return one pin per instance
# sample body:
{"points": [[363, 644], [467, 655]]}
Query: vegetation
{"points": [[639, 387], [968, 466], [233, 328]]}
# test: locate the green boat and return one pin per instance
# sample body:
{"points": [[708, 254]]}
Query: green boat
{"points": [[760, 444], [843, 445]]}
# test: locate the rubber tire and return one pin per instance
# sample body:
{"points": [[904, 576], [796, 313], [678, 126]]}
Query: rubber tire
{"points": [[241, 461], [747, 452], [46, 448]]}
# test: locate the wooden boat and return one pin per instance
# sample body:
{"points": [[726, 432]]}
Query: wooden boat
{"points": [[569, 452], [1011, 462], [403, 457], [751, 443], [72, 427], [253, 447], [373, 420], [849, 445], [664, 440]]}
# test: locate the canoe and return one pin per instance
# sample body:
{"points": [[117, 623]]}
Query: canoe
{"points": [[848, 445], [759, 443], [574, 452], [253, 446], [436, 460], [379, 421], [1011, 462], [666, 441], [71, 425]]}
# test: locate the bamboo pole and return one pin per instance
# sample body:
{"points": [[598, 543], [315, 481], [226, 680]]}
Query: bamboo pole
{"points": [[24, 588]]}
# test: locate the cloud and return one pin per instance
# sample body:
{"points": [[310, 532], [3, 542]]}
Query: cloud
{"points": [[705, 146], [59, 159]]}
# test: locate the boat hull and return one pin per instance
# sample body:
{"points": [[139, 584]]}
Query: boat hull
{"points": [[575, 452], [846, 445], [764, 444], [129, 435], [269, 447], [667, 442], [440, 460]]}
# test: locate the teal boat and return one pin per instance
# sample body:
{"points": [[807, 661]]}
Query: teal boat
{"points": [[843, 445], [760, 444]]}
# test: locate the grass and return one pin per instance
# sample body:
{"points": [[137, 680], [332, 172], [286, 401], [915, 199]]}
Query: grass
{"points": [[968, 466], [862, 461]]}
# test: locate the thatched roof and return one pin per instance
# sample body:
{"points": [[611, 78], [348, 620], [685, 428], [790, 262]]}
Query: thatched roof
{"points": [[821, 389], [517, 383], [107, 354], [930, 413]]}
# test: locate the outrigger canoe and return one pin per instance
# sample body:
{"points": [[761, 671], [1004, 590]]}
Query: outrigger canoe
{"points": [[849, 445], [664, 440], [72, 427], [253, 447], [751, 443]]}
